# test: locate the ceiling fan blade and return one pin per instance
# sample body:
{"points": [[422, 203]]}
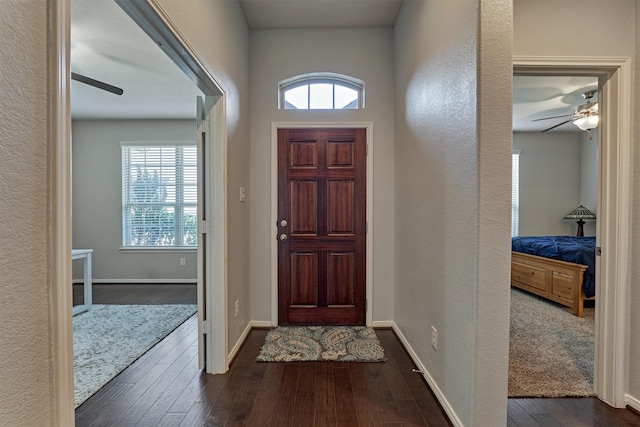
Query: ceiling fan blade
{"points": [[96, 83], [559, 124], [552, 117]]}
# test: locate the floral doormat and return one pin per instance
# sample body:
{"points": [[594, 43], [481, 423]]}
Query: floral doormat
{"points": [[321, 343]]}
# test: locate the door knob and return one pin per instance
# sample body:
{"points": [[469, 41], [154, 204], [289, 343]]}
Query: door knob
{"points": [[283, 237]]}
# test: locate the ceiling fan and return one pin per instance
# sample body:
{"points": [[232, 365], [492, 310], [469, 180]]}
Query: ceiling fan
{"points": [[96, 83], [585, 116]]}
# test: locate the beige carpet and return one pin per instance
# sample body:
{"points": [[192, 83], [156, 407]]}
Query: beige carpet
{"points": [[550, 350]]}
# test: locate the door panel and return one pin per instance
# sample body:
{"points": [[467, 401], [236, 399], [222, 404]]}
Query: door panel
{"points": [[304, 209], [341, 279], [341, 209], [304, 272], [322, 226]]}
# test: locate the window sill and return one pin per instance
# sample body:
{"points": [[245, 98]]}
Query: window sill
{"points": [[167, 249]]}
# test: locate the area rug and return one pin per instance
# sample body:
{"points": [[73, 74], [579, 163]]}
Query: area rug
{"points": [[110, 337], [551, 351], [321, 343]]}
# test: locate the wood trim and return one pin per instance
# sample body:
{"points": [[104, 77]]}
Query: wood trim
{"points": [[525, 269]]}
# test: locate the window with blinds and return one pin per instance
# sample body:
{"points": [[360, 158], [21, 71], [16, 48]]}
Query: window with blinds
{"points": [[159, 194], [515, 192]]}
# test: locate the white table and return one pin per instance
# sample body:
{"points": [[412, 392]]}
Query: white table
{"points": [[86, 255]]}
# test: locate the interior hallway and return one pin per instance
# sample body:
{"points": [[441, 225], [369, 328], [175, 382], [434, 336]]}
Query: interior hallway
{"points": [[165, 388]]}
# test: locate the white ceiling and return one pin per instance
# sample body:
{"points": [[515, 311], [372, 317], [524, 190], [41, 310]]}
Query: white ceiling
{"points": [[536, 97], [277, 14], [107, 45]]}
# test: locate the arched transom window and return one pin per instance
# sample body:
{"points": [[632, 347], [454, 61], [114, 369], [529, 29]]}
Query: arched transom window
{"points": [[321, 91]]}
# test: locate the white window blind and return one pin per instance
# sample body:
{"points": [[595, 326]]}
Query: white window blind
{"points": [[515, 192], [159, 194]]}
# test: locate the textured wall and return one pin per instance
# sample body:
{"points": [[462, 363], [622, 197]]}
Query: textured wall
{"points": [[365, 54], [573, 27], [25, 342], [452, 148]]}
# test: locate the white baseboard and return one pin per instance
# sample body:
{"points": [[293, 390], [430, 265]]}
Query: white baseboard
{"points": [[453, 417], [260, 324], [236, 348], [632, 402], [382, 324], [139, 281], [253, 324]]}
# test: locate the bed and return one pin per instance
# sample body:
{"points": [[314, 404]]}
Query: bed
{"points": [[558, 268]]}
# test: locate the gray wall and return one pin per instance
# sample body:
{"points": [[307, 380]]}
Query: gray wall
{"points": [[452, 199], [97, 201], [589, 177], [362, 53], [25, 284], [550, 181]]}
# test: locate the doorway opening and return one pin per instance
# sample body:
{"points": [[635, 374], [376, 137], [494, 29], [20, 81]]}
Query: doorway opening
{"points": [[211, 250], [555, 169], [614, 178]]}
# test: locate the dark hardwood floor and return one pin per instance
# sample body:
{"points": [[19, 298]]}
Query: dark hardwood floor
{"points": [[568, 412], [139, 293], [165, 388]]}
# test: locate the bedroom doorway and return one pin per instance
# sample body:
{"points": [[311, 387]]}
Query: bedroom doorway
{"points": [[555, 170], [613, 180]]}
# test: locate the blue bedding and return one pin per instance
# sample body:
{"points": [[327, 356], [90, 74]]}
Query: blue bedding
{"points": [[579, 250]]}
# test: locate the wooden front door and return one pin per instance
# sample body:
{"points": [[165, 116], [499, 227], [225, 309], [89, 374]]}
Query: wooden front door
{"points": [[322, 226]]}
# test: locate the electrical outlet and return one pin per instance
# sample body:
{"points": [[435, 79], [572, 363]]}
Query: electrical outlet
{"points": [[434, 338], [183, 262], [237, 307]]}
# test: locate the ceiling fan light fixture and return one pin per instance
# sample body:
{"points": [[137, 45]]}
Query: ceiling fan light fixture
{"points": [[587, 123]]}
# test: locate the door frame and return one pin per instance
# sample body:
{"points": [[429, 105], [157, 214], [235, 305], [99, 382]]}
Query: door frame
{"points": [[154, 21], [151, 18], [274, 207], [613, 207]]}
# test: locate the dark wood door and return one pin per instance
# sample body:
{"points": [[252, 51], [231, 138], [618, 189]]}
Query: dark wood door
{"points": [[322, 226]]}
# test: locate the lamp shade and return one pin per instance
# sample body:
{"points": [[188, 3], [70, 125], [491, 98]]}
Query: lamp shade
{"points": [[580, 213], [587, 123]]}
